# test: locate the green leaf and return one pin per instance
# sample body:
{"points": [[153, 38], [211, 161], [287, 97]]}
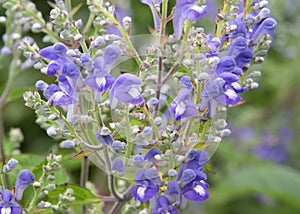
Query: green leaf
{"points": [[82, 195], [279, 182]]}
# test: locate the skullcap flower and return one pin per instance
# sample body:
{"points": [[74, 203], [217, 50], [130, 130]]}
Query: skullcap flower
{"points": [[186, 10], [126, 90], [25, 177], [163, 206], [145, 188], [152, 4], [183, 106], [7, 206]]}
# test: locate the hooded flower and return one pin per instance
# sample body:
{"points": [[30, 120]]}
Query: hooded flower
{"points": [[60, 62], [196, 191], [146, 187], [183, 106], [7, 205], [186, 9], [163, 205], [126, 90], [100, 79], [152, 4], [25, 177]]}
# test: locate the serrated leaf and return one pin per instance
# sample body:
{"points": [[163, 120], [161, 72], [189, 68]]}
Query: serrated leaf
{"points": [[82, 195], [280, 182]]}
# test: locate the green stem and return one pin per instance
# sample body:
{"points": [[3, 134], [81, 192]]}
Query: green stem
{"points": [[13, 71], [69, 9], [151, 121], [36, 194], [118, 205], [128, 136], [88, 24], [4, 177], [187, 28], [111, 177], [158, 83], [220, 23], [122, 30], [84, 177], [164, 15]]}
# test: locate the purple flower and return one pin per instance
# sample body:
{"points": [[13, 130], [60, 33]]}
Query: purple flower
{"points": [[196, 161], [99, 78], [57, 53], [25, 177], [103, 137], [54, 52], [10, 165], [63, 94], [145, 188], [126, 90], [267, 26], [111, 54], [183, 106], [7, 205], [151, 153], [185, 81], [152, 4], [118, 166], [173, 191], [186, 9], [196, 191], [163, 205]]}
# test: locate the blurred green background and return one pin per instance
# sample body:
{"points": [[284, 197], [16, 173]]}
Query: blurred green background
{"points": [[257, 168]]}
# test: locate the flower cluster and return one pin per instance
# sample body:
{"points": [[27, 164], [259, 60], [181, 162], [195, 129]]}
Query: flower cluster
{"points": [[188, 184], [158, 122]]}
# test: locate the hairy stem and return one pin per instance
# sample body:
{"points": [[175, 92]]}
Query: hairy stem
{"points": [[36, 194], [111, 177], [84, 177], [119, 205]]}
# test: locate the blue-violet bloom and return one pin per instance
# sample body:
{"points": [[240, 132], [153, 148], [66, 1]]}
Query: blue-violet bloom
{"points": [[126, 90], [183, 106], [7, 206]]}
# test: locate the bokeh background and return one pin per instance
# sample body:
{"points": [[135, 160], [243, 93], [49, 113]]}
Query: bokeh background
{"points": [[257, 167]]}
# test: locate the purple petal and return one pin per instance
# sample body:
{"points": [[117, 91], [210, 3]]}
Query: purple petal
{"points": [[150, 154], [266, 27], [196, 191], [60, 49], [25, 177], [49, 53], [226, 64], [118, 165], [6, 195], [71, 70], [195, 12], [243, 58], [111, 53], [52, 69], [229, 77], [143, 193], [50, 90]]}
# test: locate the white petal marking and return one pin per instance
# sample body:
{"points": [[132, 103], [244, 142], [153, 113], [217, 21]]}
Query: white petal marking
{"points": [[141, 191], [200, 190]]}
